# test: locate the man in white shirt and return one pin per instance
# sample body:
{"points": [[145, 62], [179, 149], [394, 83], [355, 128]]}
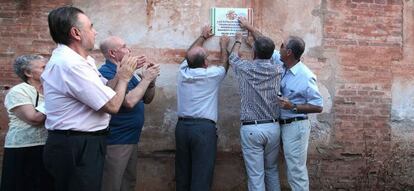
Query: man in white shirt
{"points": [[197, 100], [77, 103]]}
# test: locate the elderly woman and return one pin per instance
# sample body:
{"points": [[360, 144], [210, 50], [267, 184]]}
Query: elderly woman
{"points": [[23, 167]]}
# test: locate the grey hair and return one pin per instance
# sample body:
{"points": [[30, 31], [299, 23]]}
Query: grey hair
{"points": [[23, 64]]}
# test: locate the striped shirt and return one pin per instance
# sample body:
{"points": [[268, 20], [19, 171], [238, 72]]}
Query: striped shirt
{"points": [[259, 83]]}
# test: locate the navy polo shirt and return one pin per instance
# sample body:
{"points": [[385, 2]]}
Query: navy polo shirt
{"points": [[126, 125]]}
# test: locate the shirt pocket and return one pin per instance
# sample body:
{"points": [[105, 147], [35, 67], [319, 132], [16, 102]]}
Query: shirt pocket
{"points": [[287, 92]]}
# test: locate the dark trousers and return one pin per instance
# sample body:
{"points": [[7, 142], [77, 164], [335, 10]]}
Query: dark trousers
{"points": [[75, 161], [196, 146], [23, 170]]}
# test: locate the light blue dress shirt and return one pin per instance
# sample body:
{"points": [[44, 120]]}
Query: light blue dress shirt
{"points": [[299, 86]]}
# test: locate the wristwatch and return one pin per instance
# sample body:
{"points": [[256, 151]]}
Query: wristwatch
{"points": [[295, 108]]}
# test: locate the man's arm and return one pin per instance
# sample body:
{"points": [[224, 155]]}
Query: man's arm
{"points": [[205, 34], [124, 73], [143, 90], [244, 23], [300, 108], [249, 41], [237, 44], [150, 93], [113, 82], [313, 99], [224, 43]]}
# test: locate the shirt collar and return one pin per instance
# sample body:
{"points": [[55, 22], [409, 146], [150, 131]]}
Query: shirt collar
{"points": [[261, 61], [296, 68], [110, 64], [63, 49]]}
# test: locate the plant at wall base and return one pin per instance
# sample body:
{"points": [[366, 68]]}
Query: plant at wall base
{"points": [[395, 172]]}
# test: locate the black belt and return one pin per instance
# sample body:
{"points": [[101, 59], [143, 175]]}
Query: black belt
{"points": [[195, 119], [259, 121], [290, 120], [70, 132]]}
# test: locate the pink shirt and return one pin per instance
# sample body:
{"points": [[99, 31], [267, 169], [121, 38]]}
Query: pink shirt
{"points": [[74, 91]]}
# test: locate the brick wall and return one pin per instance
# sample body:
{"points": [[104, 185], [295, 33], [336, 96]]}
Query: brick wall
{"points": [[366, 36], [362, 48]]}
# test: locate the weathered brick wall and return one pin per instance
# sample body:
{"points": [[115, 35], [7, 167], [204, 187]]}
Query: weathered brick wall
{"points": [[361, 51], [366, 37]]}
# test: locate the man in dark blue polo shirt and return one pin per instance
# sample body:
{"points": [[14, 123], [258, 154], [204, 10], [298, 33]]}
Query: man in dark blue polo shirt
{"points": [[125, 126]]}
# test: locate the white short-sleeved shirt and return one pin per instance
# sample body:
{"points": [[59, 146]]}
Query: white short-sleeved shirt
{"points": [[197, 91], [20, 133], [74, 92]]}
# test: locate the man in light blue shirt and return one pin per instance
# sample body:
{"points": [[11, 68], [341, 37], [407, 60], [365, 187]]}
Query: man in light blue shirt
{"points": [[299, 96]]}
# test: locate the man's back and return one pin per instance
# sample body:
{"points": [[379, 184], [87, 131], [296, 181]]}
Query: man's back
{"points": [[259, 83], [197, 91]]}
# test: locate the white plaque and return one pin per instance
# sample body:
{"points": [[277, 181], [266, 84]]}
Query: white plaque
{"points": [[224, 21]]}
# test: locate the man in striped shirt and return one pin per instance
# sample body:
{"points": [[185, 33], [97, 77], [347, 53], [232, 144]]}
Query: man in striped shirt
{"points": [[259, 82], [299, 96]]}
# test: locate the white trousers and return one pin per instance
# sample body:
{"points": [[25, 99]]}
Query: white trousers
{"points": [[295, 138], [260, 145]]}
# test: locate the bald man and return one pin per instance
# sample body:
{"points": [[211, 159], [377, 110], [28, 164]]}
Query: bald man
{"points": [[125, 126], [197, 98]]}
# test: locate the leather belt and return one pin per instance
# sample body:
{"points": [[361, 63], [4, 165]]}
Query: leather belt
{"points": [[252, 122], [290, 120], [195, 119], [71, 132]]}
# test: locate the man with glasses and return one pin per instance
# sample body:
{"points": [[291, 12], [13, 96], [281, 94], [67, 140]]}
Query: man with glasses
{"points": [[300, 96], [125, 127], [197, 101], [77, 103]]}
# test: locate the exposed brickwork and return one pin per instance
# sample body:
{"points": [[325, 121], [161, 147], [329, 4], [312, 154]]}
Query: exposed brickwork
{"points": [[367, 36]]}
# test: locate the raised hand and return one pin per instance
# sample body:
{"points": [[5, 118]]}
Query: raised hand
{"points": [[150, 71], [140, 61], [127, 67], [206, 32], [244, 23]]}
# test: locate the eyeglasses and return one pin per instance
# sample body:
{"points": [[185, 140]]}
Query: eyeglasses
{"points": [[123, 46]]}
